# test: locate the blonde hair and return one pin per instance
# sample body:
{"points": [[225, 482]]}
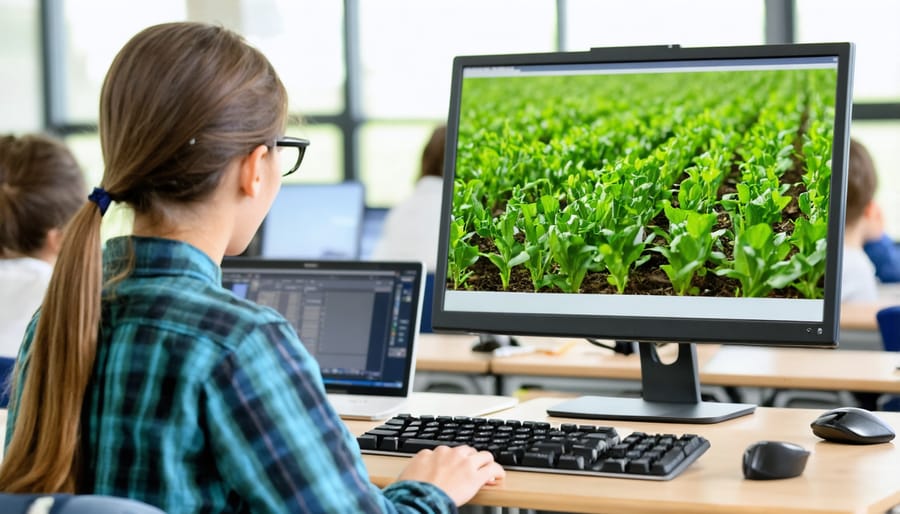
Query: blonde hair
{"points": [[180, 101]]}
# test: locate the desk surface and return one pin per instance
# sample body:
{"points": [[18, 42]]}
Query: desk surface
{"points": [[861, 316], [451, 353], [796, 368], [837, 479]]}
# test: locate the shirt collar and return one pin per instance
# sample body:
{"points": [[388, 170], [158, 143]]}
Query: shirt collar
{"points": [[158, 257]]}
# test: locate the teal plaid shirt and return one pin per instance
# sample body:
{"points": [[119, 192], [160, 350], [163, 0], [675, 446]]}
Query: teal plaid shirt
{"points": [[203, 402]]}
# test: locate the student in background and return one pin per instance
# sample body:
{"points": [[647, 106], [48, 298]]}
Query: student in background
{"points": [[41, 187], [410, 230], [882, 251], [213, 399], [862, 221]]}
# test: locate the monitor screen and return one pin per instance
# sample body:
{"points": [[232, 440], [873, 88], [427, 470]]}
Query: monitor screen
{"points": [[655, 194], [314, 221]]}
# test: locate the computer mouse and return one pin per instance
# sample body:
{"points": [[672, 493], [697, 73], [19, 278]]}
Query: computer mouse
{"points": [[852, 425], [768, 460], [490, 342]]}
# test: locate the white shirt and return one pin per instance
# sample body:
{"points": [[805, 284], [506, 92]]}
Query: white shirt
{"points": [[23, 282], [411, 228], [858, 282]]}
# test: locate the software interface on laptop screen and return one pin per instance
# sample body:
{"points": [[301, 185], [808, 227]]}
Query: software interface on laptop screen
{"points": [[358, 320]]}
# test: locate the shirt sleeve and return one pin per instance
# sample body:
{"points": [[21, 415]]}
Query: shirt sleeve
{"points": [[281, 446], [886, 257], [15, 395]]}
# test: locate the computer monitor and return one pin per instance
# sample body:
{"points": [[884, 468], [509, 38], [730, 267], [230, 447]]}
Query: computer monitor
{"points": [[314, 221], [651, 194]]}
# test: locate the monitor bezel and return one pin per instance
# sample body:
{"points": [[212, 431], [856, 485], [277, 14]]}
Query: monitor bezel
{"points": [[647, 328]]}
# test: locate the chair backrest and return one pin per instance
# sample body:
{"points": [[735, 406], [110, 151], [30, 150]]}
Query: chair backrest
{"points": [[425, 326], [72, 504], [6, 369], [889, 326]]}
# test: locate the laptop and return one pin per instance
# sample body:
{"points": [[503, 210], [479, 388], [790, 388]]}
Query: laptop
{"points": [[359, 319], [314, 222]]}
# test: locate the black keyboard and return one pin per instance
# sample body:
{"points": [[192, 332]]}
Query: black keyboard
{"points": [[543, 447]]}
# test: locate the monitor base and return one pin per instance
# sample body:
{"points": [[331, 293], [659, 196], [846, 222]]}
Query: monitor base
{"points": [[637, 409]]}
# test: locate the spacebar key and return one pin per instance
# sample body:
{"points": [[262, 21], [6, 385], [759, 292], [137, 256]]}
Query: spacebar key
{"points": [[414, 445]]}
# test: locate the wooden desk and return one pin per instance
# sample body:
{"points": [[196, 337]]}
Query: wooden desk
{"points": [[782, 368], [797, 368], [449, 359], [860, 316], [837, 479], [586, 361], [448, 404], [450, 353]]}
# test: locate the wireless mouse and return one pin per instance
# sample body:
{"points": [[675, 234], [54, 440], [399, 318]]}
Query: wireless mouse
{"points": [[768, 460], [852, 425]]}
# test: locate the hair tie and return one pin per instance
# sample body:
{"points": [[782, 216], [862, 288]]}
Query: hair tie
{"points": [[100, 197]]}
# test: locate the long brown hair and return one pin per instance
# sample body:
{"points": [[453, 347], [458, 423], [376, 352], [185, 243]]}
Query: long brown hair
{"points": [[41, 187], [433, 153], [180, 101]]}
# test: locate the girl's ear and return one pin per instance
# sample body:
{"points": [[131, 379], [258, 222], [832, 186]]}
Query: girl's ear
{"points": [[252, 171]]}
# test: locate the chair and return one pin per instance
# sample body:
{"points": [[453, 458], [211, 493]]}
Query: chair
{"points": [[427, 303], [889, 327], [6, 369], [72, 504]]}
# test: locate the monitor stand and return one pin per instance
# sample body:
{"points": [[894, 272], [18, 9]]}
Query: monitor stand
{"points": [[671, 394]]}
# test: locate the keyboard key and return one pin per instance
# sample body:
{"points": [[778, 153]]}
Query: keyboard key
{"points": [[667, 462], [571, 462], [539, 459]]}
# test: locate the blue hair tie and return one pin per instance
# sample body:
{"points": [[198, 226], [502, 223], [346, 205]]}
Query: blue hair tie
{"points": [[100, 197]]}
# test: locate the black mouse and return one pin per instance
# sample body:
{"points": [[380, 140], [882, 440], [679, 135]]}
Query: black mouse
{"points": [[768, 460], [852, 425], [490, 342]]}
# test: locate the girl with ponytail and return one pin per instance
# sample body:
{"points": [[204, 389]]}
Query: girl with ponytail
{"points": [[141, 376]]}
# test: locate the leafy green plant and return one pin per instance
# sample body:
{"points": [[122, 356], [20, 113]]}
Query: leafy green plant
{"points": [[758, 262], [622, 250], [462, 254], [809, 239], [510, 252], [690, 242], [537, 246], [573, 256]]}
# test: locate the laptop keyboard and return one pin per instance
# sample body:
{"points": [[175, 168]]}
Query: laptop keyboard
{"points": [[541, 446]]}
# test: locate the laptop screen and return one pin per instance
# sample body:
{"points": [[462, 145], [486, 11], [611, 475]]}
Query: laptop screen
{"points": [[358, 319], [314, 221]]}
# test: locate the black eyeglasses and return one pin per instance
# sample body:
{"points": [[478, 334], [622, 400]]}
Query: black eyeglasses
{"points": [[289, 163]]}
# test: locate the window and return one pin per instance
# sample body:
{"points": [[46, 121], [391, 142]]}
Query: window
{"points": [[406, 52], [20, 67], [393, 155], [304, 41], [91, 46], [370, 97], [592, 23], [881, 139], [872, 25]]}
